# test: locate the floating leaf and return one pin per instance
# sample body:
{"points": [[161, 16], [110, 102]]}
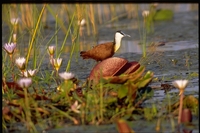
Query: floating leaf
{"points": [[111, 68]]}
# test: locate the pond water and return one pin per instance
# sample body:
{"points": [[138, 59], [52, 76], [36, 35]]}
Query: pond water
{"points": [[133, 46], [181, 39]]}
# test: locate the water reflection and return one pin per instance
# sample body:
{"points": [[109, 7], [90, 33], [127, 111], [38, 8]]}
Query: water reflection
{"points": [[134, 47]]}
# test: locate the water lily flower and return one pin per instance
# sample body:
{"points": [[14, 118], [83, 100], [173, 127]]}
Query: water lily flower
{"points": [[56, 63], [14, 21], [82, 22], [9, 48], [180, 84], [29, 73], [75, 107], [24, 82], [66, 75], [145, 13], [21, 63], [51, 50]]}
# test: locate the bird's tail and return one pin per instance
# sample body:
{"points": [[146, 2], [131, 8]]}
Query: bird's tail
{"points": [[84, 54]]}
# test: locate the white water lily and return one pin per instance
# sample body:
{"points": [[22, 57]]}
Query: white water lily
{"points": [[9, 47], [14, 21], [29, 73], [66, 75], [56, 63], [21, 63], [51, 50], [145, 13], [82, 22], [24, 82], [180, 84], [75, 107]]}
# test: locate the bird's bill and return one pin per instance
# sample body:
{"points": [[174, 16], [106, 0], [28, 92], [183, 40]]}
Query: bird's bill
{"points": [[127, 35]]}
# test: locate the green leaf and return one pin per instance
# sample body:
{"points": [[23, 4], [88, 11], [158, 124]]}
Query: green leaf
{"points": [[145, 80], [122, 92], [164, 14], [110, 100], [66, 86], [137, 74]]}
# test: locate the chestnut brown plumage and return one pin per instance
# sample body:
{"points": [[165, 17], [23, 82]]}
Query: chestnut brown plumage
{"points": [[104, 50]]}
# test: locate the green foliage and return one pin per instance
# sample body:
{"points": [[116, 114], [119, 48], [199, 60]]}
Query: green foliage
{"points": [[96, 104], [122, 92], [163, 14], [145, 80], [150, 113]]}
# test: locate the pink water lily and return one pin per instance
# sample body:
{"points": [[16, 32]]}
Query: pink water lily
{"points": [[9, 47], [75, 107], [66, 75], [24, 82]]}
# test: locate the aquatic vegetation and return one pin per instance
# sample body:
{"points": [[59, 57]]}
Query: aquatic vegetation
{"points": [[42, 98], [20, 62], [108, 99], [56, 63], [51, 50], [9, 48], [181, 85], [29, 73], [66, 75]]}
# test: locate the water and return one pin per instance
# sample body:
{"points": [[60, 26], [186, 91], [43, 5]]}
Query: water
{"points": [[133, 46], [180, 35]]}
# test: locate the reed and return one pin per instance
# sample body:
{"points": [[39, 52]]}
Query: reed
{"points": [[33, 38], [50, 102]]}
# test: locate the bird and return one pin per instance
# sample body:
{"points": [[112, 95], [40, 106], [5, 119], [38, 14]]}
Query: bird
{"points": [[105, 50]]}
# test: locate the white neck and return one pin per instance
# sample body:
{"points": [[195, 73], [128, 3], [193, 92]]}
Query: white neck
{"points": [[118, 38]]}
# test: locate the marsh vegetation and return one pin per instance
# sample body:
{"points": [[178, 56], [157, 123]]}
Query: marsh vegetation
{"points": [[45, 83]]}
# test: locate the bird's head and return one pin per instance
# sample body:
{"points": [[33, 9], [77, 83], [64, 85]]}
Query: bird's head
{"points": [[120, 34]]}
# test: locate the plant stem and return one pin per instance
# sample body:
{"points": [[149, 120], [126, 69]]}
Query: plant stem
{"points": [[144, 39], [101, 101], [56, 36], [64, 114], [180, 108], [30, 125], [12, 67]]}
